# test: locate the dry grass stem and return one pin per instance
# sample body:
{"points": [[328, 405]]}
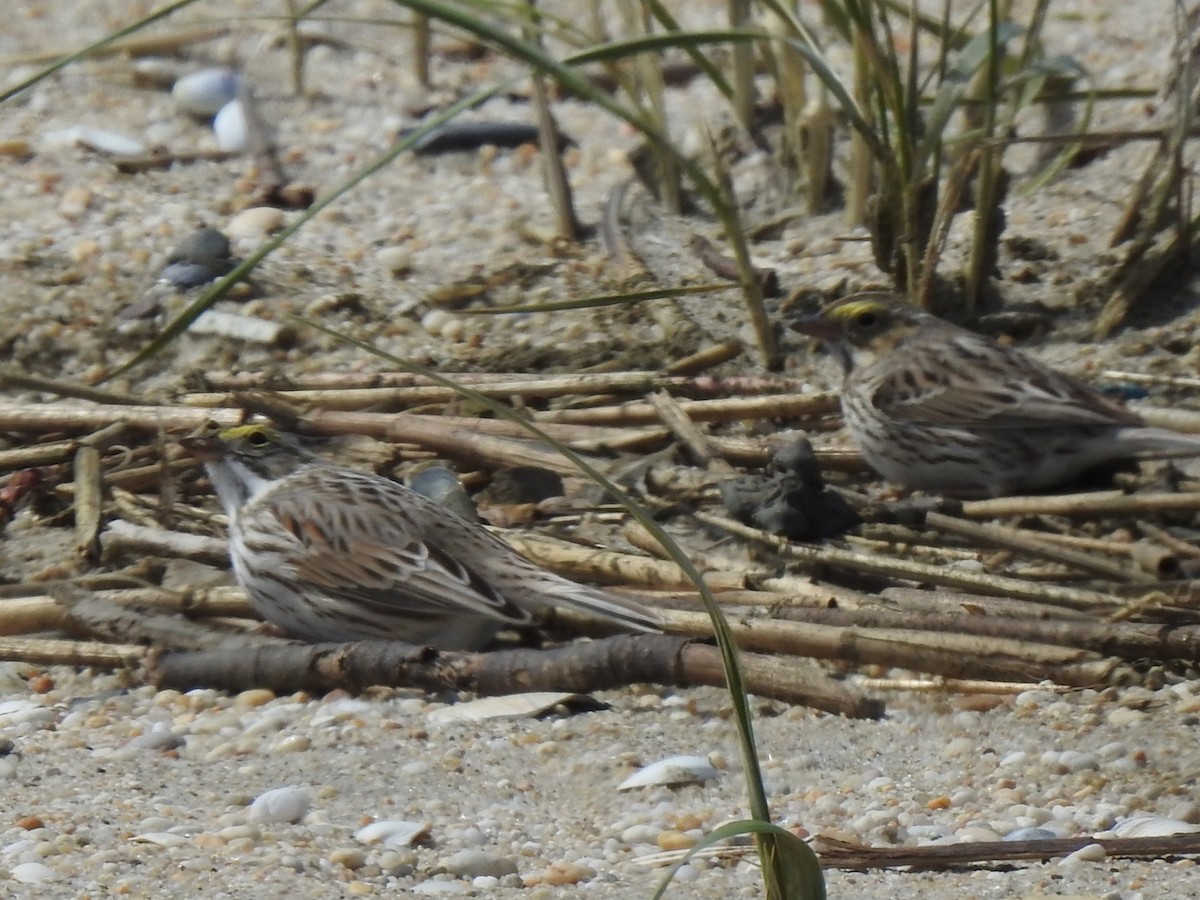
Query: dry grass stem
{"points": [[1032, 543], [1098, 503], [946, 576], [698, 447]]}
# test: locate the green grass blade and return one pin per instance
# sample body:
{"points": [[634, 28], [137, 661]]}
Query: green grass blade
{"points": [[801, 877]]}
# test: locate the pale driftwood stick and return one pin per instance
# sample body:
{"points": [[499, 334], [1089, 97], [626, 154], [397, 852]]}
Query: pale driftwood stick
{"points": [[89, 502], [1178, 381], [948, 576], [1031, 542], [939, 602], [706, 358], [610, 566], [912, 549], [799, 590], [56, 651], [1164, 537], [789, 406], [835, 854], [686, 432], [45, 454], [41, 612], [123, 536], [747, 451], [23, 615], [55, 417], [103, 617], [1082, 542], [945, 685], [1098, 503], [1126, 640], [607, 663], [136, 508], [954, 655], [482, 440]]}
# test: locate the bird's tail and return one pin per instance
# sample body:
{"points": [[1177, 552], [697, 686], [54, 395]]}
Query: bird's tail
{"points": [[594, 602], [1159, 442]]}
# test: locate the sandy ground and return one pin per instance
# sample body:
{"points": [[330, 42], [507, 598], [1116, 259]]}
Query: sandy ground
{"points": [[114, 789]]}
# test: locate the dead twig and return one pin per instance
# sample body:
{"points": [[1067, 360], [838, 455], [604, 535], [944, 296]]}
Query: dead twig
{"points": [[581, 668]]}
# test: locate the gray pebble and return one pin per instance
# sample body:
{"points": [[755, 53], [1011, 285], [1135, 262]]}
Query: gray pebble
{"points": [[472, 863]]}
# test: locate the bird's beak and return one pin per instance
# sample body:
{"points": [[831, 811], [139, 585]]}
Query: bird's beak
{"points": [[817, 327], [204, 448]]}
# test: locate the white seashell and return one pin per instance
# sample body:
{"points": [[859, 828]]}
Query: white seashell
{"points": [[533, 703], [279, 805], [673, 770], [1149, 825], [233, 134], [32, 873], [203, 93], [25, 712], [99, 139], [392, 833]]}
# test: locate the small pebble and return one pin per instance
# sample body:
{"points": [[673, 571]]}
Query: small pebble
{"points": [[471, 863], [203, 93], [160, 737], [674, 840], [74, 202], [349, 857], [397, 260], [561, 874], [436, 888], [294, 743], [253, 698]]}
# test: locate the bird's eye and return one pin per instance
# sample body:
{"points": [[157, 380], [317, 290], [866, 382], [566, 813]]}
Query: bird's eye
{"points": [[866, 319], [258, 439]]}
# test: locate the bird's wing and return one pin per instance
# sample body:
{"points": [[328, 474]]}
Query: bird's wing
{"points": [[366, 543], [968, 381]]}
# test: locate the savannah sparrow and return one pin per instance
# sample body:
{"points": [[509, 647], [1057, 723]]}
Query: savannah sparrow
{"points": [[933, 406], [330, 554]]}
